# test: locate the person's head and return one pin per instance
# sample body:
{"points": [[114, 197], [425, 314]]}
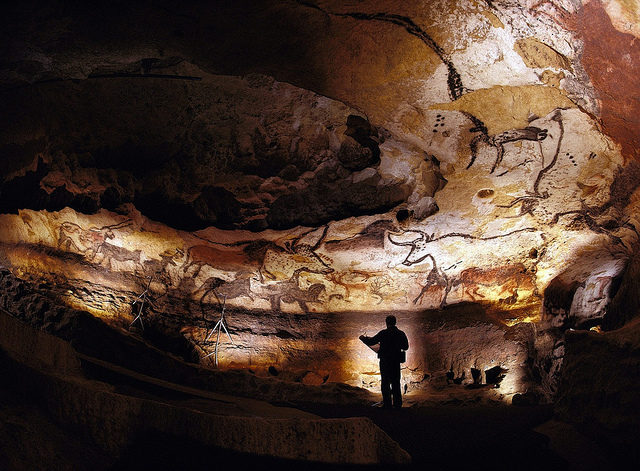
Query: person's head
{"points": [[391, 321]]}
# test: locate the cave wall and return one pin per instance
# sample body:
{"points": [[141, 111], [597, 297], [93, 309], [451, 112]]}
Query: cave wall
{"points": [[314, 166]]}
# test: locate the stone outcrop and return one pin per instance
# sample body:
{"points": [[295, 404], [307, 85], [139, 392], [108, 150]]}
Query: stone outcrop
{"points": [[242, 161], [599, 384], [311, 166], [112, 420]]}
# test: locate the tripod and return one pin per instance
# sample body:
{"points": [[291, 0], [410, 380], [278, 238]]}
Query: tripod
{"points": [[141, 299], [217, 328]]}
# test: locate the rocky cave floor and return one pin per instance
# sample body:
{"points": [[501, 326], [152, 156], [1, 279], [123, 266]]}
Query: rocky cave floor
{"points": [[437, 431], [301, 158], [450, 427], [481, 436]]}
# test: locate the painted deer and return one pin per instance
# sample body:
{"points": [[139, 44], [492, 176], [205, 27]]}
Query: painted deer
{"points": [[351, 280], [530, 133]]}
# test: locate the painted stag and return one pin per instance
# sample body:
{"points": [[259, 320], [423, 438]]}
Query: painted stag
{"points": [[351, 280], [530, 133]]}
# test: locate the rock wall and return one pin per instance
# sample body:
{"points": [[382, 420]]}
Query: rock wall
{"points": [[113, 420], [312, 166], [598, 391]]}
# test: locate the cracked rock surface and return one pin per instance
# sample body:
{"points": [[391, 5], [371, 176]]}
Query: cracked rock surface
{"points": [[315, 165]]}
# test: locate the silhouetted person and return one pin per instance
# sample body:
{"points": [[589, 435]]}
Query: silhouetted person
{"points": [[392, 343]]}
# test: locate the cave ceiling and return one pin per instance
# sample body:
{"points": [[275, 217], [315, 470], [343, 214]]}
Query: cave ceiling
{"points": [[322, 156]]}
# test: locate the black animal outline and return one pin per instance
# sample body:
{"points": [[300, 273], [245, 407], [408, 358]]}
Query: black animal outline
{"points": [[420, 243], [296, 248], [455, 86], [530, 133], [454, 81], [289, 291], [86, 241], [530, 201]]}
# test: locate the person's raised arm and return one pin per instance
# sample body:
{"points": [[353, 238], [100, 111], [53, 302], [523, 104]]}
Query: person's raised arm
{"points": [[371, 340]]}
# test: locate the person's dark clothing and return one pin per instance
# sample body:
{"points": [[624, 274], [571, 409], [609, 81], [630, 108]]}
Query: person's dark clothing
{"points": [[392, 342]]}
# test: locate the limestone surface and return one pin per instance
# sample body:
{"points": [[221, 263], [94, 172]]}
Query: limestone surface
{"points": [[312, 166]]}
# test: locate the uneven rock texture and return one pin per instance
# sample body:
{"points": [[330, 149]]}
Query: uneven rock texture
{"points": [[31, 441], [272, 353], [313, 166], [93, 338], [112, 420], [223, 151], [599, 388], [611, 54]]}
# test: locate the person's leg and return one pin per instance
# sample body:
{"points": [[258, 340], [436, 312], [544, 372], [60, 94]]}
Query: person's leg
{"points": [[395, 385], [385, 385]]}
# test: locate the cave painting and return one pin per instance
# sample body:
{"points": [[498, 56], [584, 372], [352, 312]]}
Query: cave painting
{"points": [[85, 242], [295, 257], [507, 278], [94, 245], [384, 289], [503, 282], [528, 195], [229, 290], [159, 267], [529, 202], [298, 273], [349, 281], [304, 269], [290, 292], [108, 253], [454, 82], [250, 287], [419, 246], [435, 285], [344, 265], [232, 259], [530, 133]]}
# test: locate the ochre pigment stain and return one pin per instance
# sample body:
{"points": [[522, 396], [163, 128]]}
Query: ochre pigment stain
{"points": [[612, 60]]}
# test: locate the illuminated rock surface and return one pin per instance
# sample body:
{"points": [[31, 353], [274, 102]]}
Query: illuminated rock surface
{"points": [[113, 417], [470, 166]]}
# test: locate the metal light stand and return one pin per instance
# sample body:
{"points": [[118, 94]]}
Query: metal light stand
{"points": [[141, 299], [217, 328]]}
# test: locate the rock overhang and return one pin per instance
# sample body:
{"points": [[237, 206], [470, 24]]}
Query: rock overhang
{"points": [[420, 155]]}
